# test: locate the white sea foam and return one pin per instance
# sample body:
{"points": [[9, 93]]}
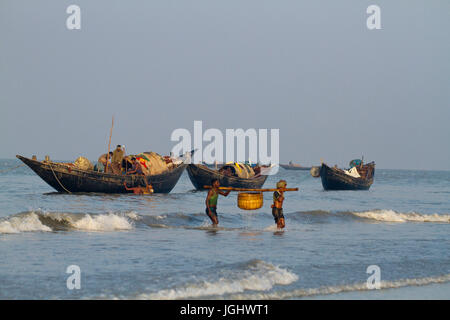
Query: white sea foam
{"points": [[299, 293], [23, 223], [103, 222], [392, 216], [48, 221], [133, 215], [272, 227], [260, 276]]}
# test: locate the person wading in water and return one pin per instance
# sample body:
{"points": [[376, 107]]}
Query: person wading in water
{"points": [[211, 201], [148, 189], [277, 207]]}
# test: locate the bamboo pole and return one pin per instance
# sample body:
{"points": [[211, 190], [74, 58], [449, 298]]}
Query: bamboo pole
{"points": [[109, 145], [246, 189]]}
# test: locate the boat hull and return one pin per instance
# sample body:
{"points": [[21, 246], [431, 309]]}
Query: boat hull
{"points": [[336, 179], [201, 176], [64, 178]]}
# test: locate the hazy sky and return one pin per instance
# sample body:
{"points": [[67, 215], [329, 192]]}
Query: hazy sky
{"points": [[335, 89]]}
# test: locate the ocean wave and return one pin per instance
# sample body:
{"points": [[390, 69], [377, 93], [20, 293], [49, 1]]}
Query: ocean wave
{"points": [[56, 221], [23, 223], [327, 290], [393, 216], [192, 221], [386, 215], [40, 221], [256, 276], [103, 222]]}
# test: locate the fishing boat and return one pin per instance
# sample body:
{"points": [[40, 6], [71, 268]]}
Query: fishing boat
{"points": [[69, 179], [359, 177], [294, 166], [201, 175]]}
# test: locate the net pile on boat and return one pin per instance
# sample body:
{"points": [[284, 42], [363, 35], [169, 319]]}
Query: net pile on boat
{"points": [[83, 163], [153, 163]]}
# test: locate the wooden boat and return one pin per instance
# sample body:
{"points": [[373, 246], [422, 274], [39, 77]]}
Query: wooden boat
{"points": [[201, 175], [293, 166], [66, 178], [336, 179]]}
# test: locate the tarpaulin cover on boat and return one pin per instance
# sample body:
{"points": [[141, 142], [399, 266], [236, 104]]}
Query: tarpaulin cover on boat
{"points": [[355, 163], [353, 172]]}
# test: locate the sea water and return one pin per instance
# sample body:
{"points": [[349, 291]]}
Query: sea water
{"points": [[162, 246]]}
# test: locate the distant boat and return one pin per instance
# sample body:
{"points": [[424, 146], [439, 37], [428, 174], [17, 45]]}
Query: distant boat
{"points": [[201, 175], [360, 177], [294, 166], [65, 178]]}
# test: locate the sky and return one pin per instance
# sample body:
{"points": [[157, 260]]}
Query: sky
{"points": [[312, 69]]}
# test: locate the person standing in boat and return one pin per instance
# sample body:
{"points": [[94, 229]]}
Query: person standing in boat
{"points": [[277, 207], [102, 161], [116, 160], [211, 201]]}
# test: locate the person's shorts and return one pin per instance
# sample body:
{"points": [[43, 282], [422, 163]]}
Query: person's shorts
{"points": [[213, 211], [100, 167], [277, 213]]}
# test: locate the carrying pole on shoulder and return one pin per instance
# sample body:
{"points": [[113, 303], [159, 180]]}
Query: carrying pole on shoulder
{"points": [[248, 189]]}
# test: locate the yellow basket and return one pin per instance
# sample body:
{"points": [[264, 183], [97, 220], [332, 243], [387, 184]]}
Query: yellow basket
{"points": [[250, 200]]}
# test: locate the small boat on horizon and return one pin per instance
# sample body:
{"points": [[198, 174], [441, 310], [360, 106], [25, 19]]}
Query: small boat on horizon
{"points": [[294, 166]]}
